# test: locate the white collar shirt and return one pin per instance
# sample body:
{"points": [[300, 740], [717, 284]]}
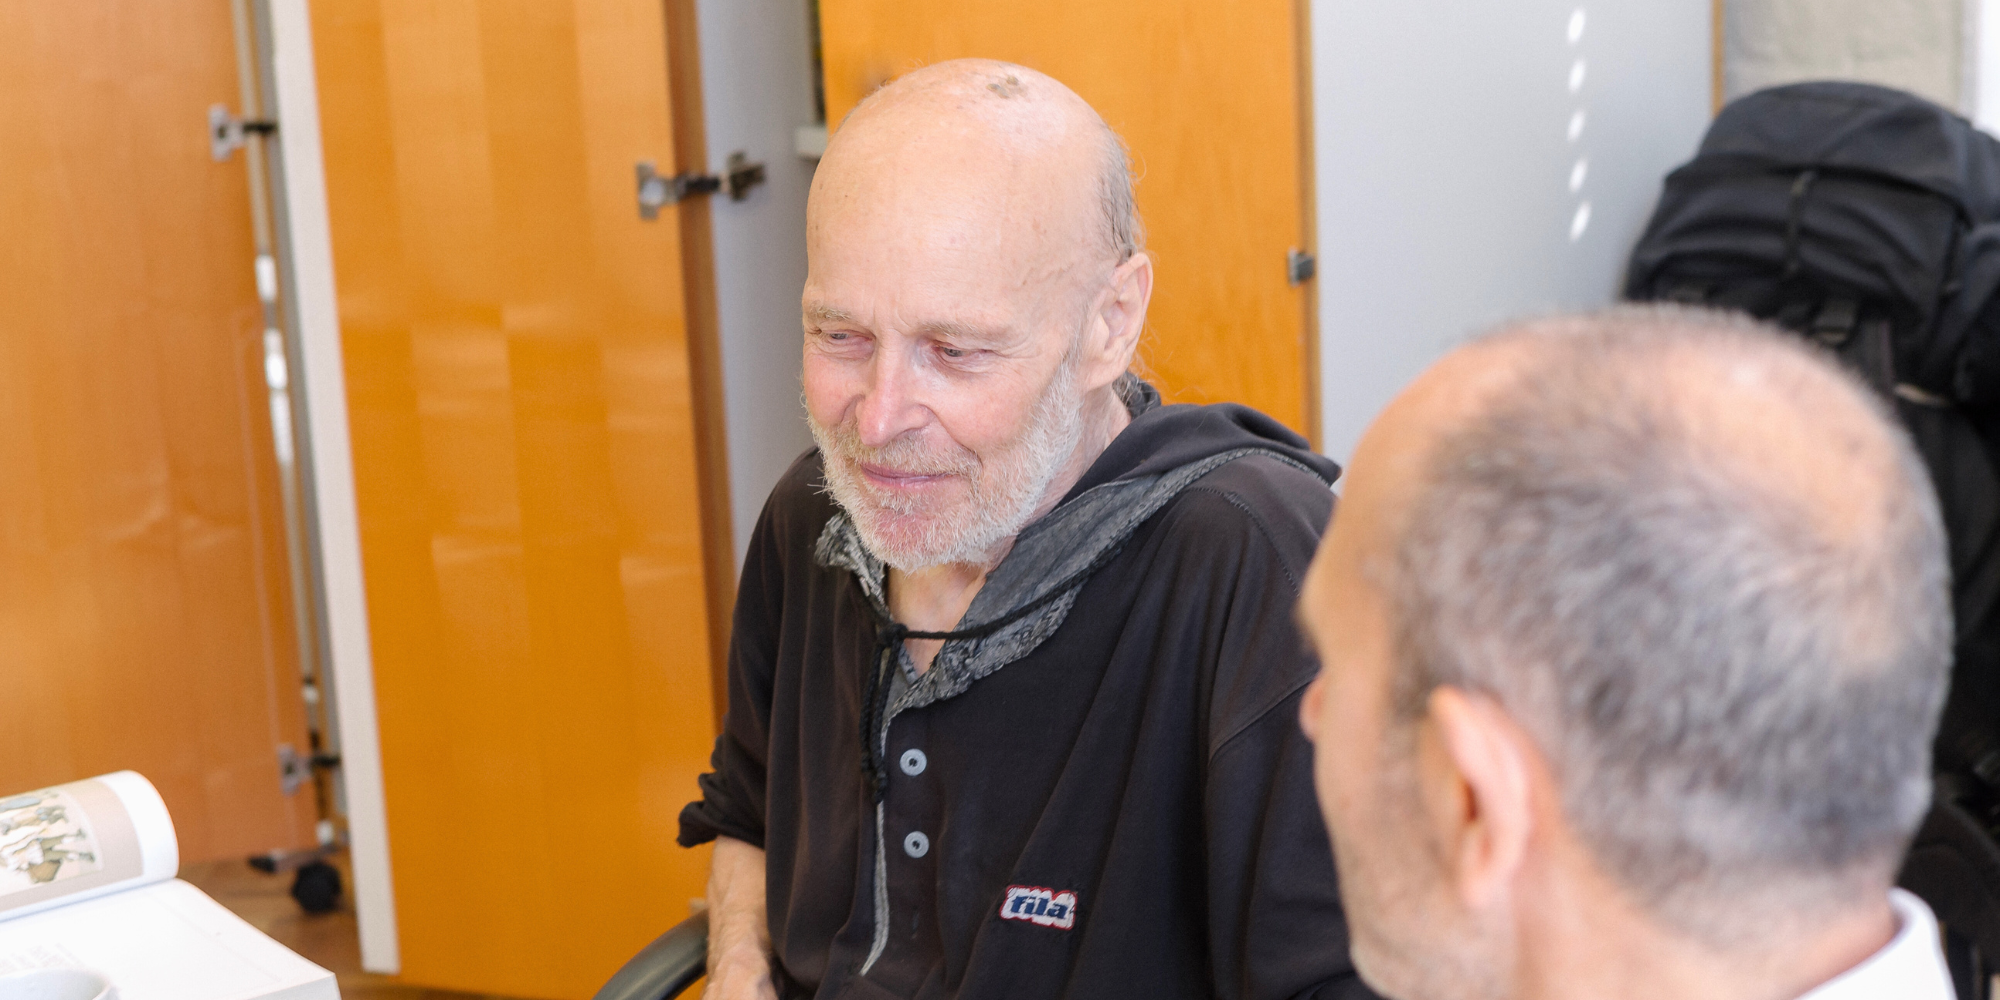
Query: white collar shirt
{"points": [[1910, 967]]}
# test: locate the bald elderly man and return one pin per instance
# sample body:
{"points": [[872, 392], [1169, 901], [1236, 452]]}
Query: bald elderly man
{"points": [[1012, 700], [1635, 630]]}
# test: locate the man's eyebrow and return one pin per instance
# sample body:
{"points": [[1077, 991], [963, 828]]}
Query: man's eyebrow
{"points": [[820, 312]]}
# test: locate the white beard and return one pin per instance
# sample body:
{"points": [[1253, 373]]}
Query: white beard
{"points": [[1004, 489]]}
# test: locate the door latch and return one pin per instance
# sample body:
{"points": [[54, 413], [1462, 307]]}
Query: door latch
{"points": [[1300, 267], [227, 133], [657, 190]]}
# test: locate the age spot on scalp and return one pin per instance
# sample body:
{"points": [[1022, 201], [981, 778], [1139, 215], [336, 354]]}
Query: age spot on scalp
{"points": [[1009, 87]]}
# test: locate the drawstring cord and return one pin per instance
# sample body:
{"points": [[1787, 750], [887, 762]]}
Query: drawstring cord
{"points": [[889, 636], [890, 633]]}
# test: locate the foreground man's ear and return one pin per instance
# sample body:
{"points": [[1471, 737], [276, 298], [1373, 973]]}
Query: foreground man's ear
{"points": [[1120, 319], [1473, 765]]}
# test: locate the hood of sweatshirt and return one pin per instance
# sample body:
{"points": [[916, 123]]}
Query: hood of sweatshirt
{"points": [[1026, 597]]}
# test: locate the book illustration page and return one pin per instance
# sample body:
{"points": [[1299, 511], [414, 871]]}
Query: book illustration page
{"points": [[81, 838], [45, 837]]}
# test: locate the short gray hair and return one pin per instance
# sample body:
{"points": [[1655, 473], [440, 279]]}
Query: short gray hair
{"points": [[1124, 234], [1737, 698]]}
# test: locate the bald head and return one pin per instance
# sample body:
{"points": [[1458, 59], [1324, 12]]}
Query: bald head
{"points": [[997, 145], [1703, 569]]}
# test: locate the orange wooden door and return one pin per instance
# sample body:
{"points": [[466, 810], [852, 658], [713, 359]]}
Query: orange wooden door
{"points": [[1209, 95], [523, 452], [144, 613]]}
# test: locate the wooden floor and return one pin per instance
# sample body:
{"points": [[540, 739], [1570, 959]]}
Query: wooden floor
{"points": [[329, 940]]}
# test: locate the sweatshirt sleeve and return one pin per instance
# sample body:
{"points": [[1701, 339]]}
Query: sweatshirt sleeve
{"points": [[1276, 927], [1278, 931], [732, 802]]}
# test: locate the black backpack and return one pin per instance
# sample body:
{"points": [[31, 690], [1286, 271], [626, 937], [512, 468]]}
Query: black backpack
{"points": [[1868, 220]]}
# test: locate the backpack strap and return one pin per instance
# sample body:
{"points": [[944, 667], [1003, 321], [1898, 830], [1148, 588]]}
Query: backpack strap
{"points": [[1835, 321], [1796, 218]]}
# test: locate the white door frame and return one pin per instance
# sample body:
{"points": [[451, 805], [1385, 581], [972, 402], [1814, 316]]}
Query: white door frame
{"points": [[300, 184]]}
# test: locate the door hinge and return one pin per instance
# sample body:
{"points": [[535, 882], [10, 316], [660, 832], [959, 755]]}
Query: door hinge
{"points": [[1300, 267], [657, 190], [294, 769], [227, 133]]}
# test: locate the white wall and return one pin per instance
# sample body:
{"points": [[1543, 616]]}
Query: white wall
{"points": [[756, 83], [1445, 160]]}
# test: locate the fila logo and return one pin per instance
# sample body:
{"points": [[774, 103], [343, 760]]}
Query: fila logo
{"points": [[1035, 904]]}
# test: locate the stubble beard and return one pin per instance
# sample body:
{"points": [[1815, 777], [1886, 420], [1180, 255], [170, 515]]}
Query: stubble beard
{"points": [[1002, 492], [1407, 940]]}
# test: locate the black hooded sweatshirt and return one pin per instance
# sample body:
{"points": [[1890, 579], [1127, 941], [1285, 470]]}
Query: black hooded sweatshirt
{"points": [[1109, 797]]}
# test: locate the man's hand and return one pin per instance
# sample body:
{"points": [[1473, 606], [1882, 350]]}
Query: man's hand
{"points": [[739, 935]]}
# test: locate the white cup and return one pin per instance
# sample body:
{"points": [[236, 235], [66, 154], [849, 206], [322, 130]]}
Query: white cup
{"points": [[56, 984]]}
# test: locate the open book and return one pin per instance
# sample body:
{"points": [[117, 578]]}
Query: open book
{"points": [[87, 882]]}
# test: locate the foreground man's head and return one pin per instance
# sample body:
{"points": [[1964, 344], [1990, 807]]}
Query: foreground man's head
{"points": [[1634, 632], [975, 288]]}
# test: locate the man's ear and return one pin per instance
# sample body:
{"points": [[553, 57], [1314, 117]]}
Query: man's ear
{"points": [[1121, 314], [1474, 767]]}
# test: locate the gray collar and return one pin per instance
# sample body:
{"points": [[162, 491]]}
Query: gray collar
{"points": [[1050, 562]]}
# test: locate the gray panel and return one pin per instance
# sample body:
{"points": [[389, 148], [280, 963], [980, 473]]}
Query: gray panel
{"points": [[1444, 163], [1913, 45], [756, 82]]}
